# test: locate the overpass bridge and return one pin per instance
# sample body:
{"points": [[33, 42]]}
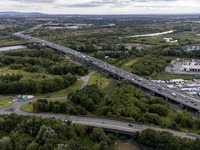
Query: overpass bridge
{"points": [[121, 126], [182, 99]]}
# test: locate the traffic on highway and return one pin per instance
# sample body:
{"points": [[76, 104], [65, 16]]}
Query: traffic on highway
{"points": [[167, 93]]}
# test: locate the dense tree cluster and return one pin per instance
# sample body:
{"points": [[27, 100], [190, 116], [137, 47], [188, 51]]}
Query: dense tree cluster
{"points": [[82, 102], [35, 133], [37, 85], [89, 97], [150, 65], [129, 103], [10, 78], [42, 105], [32, 60], [165, 140]]}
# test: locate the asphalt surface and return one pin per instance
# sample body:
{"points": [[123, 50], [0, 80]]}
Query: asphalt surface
{"points": [[121, 125], [86, 79], [112, 124], [102, 122], [181, 98]]}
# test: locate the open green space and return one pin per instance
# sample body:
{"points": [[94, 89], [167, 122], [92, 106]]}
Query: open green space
{"points": [[10, 41], [127, 65], [105, 83], [8, 70], [93, 79], [180, 36], [127, 146], [168, 76], [5, 102], [27, 107], [63, 92]]}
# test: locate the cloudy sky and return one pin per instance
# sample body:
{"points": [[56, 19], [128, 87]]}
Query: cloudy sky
{"points": [[102, 6]]}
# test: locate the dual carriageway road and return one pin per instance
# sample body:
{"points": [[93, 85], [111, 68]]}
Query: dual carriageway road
{"points": [[112, 124], [181, 97]]}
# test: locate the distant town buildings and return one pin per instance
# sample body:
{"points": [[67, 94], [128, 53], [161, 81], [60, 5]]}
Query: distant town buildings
{"points": [[67, 26], [170, 40], [193, 47]]}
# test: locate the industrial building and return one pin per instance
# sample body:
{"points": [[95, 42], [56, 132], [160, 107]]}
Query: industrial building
{"points": [[192, 67]]}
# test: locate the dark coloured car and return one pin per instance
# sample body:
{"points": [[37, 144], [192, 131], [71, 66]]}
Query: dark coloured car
{"points": [[130, 125]]}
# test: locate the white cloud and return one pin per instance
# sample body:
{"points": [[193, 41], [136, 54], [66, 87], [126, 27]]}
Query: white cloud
{"points": [[102, 6]]}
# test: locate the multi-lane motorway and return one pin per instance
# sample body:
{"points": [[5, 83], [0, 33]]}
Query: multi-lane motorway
{"points": [[181, 98], [112, 124]]}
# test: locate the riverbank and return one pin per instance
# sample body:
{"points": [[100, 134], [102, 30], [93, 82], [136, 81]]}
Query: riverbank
{"points": [[7, 48], [146, 35]]}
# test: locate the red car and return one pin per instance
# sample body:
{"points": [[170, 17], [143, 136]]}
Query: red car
{"points": [[175, 96], [192, 101]]}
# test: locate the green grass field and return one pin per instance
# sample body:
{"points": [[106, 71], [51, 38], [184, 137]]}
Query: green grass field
{"points": [[191, 35], [7, 70], [105, 83], [4, 102], [126, 66], [27, 107], [8, 42], [93, 79], [168, 76], [64, 92]]}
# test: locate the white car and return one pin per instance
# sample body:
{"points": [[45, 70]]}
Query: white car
{"points": [[174, 94], [183, 95]]}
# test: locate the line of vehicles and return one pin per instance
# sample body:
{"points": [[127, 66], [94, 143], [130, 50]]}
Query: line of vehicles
{"points": [[155, 87]]}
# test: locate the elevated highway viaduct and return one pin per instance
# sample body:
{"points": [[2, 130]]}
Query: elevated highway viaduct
{"points": [[181, 99]]}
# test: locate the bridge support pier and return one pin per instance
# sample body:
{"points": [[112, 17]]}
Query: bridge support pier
{"points": [[166, 98], [181, 105], [198, 113]]}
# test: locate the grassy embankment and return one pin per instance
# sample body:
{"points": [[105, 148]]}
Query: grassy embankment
{"points": [[9, 41], [5, 102], [29, 107], [105, 83]]}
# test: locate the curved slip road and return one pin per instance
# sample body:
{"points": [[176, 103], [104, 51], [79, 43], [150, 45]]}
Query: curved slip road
{"points": [[111, 124]]}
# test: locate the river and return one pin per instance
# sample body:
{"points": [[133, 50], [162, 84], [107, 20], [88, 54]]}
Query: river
{"points": [[152, 34], [12, 47]]}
